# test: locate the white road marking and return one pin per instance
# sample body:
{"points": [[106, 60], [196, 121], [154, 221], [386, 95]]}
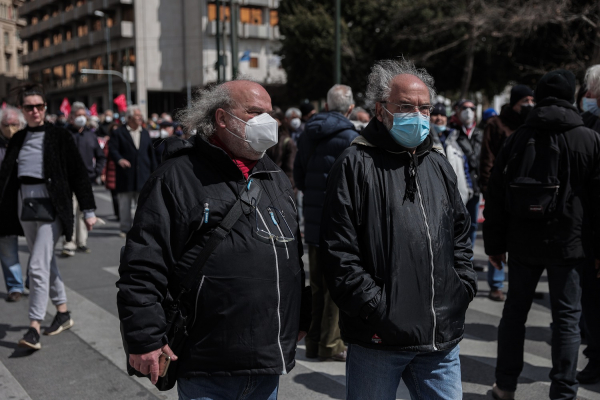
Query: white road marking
{"points": [[112, 270], [10, 387]]}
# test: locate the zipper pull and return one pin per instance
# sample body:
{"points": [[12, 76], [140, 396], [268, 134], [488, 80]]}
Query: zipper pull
{"points": [[206, 213], [272, 216], [249, 183]]}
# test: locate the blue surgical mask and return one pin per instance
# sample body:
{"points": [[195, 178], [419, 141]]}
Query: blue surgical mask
{"points": [[409, 129], [439, 128], [590, 105]]}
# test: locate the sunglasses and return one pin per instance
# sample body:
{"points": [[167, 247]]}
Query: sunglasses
{"points": [[30, 107], [468, 108]]}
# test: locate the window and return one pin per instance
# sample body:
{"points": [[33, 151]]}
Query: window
{"points": [[56, 38], [251, 15], [109, 21], [46, 76], [35, 45], [6, 39], [81, 65], [34, 20], [273, 17], [8, 58], [58, 74], [128, 14], [46, 17], [68, 35], [69, 7], [253, 62], [11, 15], [82, 30], [212, 12], [97, 25], [98, 63], [79, 3], [47, 41], [69, 71], [131, 61]]}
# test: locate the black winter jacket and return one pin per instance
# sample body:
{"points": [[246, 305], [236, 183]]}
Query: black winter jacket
{"points": [[471, 146], [245, 315], [64, 172], [395, 245], [143, 160], [91, 153], [563, 239], [325, 137]]}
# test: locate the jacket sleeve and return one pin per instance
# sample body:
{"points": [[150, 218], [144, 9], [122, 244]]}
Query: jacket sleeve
{"points": [[79, 181], [463, 252], [289, 157], [352, 288], [299, 168], [114, 150], [595, 197], [486, 160], [144, 268], [306, 292], [100, 158]]}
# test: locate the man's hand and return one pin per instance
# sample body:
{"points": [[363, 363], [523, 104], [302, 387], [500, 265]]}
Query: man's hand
{"points": [[301, 335], [498, 260], [90, 222], [598, 268], [124, 163], [148, 363]]}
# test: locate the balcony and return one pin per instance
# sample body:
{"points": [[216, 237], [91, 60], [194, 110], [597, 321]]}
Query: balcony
{"points": [[89, 7], [246, 31], [125, 30]]}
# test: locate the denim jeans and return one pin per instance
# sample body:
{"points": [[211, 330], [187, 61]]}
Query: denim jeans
{"points": [[251, 387], [11, 269], [376, 374], [495, 278], [565, 296], [473, 210], [590, 301]]}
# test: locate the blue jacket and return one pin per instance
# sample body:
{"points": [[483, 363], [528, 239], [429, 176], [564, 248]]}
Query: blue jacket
{"points": [[325, 137]]}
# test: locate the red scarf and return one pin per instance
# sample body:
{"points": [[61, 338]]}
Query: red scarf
{"points": [[244, 165]]}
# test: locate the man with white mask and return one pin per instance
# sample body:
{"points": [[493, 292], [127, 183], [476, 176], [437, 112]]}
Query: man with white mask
{"points": [[94, 160], [217, 222], [293, 123]]}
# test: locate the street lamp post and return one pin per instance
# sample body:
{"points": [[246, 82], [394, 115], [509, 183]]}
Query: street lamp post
{"points": [[101, 14], [87, 71]]}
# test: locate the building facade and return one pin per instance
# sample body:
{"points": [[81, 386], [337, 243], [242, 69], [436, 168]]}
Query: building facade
{"points": [[164, 48], [12, 72]]}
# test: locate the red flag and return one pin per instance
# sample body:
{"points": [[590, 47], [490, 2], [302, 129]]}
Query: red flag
{"points": [[121, 103], [65, 106], [94, 109]]}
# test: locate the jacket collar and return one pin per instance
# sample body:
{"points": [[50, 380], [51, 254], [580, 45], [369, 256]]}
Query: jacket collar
{"points": [[554, 115]]}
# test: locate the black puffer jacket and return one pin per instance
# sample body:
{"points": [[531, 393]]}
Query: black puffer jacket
{"points": [[395, 245], [64, 172], [245, 315], [563, 239], [471, 146], [325, 137]]}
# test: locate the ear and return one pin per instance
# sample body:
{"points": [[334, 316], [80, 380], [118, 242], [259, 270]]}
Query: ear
{"points": [[379, 111], [347, 115], [220, 118]]}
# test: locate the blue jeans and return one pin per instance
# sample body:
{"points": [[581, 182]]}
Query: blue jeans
{"points": [[376, 374], [473, 210], [251, 387], [495, 278], [565, 303], [590, 299], [11, 269]]}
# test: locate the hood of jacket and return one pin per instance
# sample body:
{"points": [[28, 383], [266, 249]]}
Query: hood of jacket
{"points": [[554, 114], [326, 124], [175, 146]]}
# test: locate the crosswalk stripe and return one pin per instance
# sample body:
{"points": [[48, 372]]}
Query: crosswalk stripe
{"points": [[10, 387]]}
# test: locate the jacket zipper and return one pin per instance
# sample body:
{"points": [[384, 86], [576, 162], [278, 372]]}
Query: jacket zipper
{"points": [[196, 303], [431, 258], [284, 371], [279, 228]]}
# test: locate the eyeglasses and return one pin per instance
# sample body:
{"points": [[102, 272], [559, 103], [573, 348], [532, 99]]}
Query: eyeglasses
{"points": [[276, 216], [424, 109], [30, 107]]}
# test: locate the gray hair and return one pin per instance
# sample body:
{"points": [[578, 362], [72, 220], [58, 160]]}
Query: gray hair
{"points": [[131, 109], [291, 111], [355, 111], [339, 98], [77, 106], [200, 116], [8, 110], [592, 80], [383, 72]]}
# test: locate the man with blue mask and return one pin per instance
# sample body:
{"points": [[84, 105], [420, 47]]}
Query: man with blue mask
{"points": [[395, 246]]}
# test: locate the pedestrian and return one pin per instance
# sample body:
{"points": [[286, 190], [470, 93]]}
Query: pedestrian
{"points": [[11, 121], [283, 153], [360, 118], [446, 140], [41, 171], [131, 150], [325, 137], [109, 174], [590, 278], [166, 131], [498, 128], [293, 123], [245, 311], [541, 208], [395, 246], [107, 121], [94, 160], [307, 110], [469, 139]]}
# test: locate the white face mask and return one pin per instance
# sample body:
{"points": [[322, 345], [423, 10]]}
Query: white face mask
{"points": [[467, 117], [80, 121], [164, 134], [108, 119], [295, 123], [261, 132]]}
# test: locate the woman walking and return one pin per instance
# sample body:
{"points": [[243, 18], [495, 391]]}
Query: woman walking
{"points": [[42, 169]]}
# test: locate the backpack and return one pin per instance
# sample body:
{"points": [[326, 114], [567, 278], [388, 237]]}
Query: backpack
{"points": [[537, 176]]}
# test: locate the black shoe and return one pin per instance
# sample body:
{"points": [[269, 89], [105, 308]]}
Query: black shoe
{"points": [[591, 373], [83, 249], [31, 340], [61, 322], [13, 297]]}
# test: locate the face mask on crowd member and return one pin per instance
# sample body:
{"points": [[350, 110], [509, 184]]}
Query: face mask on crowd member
{"points": [[438, 118], [467, 115], [80, 121], [295, 123], [409, 129], [521, 100], [590, 105], [9, 129], [108, 119], [261, 132]]}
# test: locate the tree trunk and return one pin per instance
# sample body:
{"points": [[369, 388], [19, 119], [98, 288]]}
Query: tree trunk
{"points": [[468, 69]]}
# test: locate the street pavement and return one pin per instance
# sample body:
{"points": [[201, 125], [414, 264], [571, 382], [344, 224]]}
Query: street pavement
{"points": [[87, 361]]}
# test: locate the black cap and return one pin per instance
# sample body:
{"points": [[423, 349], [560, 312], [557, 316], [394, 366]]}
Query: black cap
{"points": [[306, 108], [519, 92], [559, 83], [439, 109]]}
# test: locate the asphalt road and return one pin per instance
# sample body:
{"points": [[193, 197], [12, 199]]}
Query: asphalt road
{"points": [[87, 362]]}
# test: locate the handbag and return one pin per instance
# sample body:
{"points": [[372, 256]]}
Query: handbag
{"points": [[38, 209], [175, 312]]}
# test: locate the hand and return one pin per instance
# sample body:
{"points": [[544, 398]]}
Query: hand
{"points": [[148, 363], [90, 222], [598, 268], [498, 260], [301, 335], [124, 163]]}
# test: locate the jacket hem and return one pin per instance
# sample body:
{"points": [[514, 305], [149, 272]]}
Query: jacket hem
{"points": [[241, 372], [428, 348]]}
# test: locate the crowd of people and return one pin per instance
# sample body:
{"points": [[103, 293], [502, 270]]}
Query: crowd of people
{"points": [[386, 197]]}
